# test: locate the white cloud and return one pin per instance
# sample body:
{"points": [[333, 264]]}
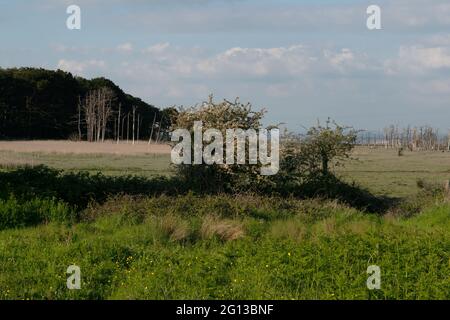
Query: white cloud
{"points": [[258, 62], [165, 74], [345, 56], [418, 59], [80, 67], [286, 63], [125, 47], [157, 48], [187, 75]]}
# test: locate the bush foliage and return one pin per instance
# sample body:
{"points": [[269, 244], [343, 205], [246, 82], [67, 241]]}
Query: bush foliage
{"points": [[221, 116], [17, 214]]}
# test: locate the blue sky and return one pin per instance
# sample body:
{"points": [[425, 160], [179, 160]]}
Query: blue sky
{"points": [[301, 60]]}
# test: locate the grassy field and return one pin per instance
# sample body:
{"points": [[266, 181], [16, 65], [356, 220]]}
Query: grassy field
{"points": [[383, 172], [109, 158], [380, 170], [146, 165], [226, 246]]}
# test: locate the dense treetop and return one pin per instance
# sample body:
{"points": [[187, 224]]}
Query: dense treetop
{"points": [[43, 104]]}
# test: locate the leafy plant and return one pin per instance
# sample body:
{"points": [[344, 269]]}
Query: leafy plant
{"points": [[221, 116]]}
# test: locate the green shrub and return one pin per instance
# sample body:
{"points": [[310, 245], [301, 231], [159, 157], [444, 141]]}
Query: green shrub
{"points": [[17, 214], [79, 189], [222, 116]]}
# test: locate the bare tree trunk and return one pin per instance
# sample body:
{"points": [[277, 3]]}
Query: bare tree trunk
{"points": [[159, 128], [138, 126], [151, 132], [448, 141], [134, 117], [128, 126], [89, 113], [79, 118], [98, 120], [115, 129], [123, 126], [118, 125]]}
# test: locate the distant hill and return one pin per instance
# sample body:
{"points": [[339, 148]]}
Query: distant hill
{"points": [[43, 104]]}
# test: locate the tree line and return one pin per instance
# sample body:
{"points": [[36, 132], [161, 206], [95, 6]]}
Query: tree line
{"points": [[47, 104], [418, 138]]}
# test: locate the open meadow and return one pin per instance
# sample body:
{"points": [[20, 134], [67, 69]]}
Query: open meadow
{"points": [[145, 243], [384, 172], [380, 170], [109, 158]]}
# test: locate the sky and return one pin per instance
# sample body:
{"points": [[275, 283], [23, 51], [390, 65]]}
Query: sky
{"points": [[300, 60]]}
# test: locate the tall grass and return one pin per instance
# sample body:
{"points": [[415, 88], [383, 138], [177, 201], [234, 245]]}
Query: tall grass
{"points": [[162, 248]]}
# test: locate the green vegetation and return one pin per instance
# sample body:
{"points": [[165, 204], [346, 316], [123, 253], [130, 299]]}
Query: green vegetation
{"points": [[291, 236], [222, 116], [322, 146], [232, 247], [43, 104], [79, 189], [18, 214], [216, 246]]}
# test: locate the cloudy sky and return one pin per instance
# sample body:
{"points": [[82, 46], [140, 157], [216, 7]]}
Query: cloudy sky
{"points": [[301, 60]]}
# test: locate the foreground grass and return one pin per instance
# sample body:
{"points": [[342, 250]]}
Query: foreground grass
{"points": [[229, 247]]}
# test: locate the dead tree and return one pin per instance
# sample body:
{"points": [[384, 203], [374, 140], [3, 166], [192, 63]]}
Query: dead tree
{"points": [[79, 118], [134, 119], [90, 115], [151, 132], [159, 128], [97, 108], [118, 125], [139, 121], [128, 126], [106, 96], [448, 141], [123, 126]]}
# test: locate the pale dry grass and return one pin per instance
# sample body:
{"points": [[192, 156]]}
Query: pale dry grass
{"points": [[83, 147], [174, 227], [225, 229]]}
